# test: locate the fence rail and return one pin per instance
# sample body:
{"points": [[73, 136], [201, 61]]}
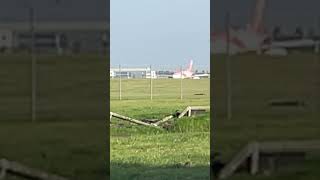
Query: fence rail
{"points": [[130, 89]]}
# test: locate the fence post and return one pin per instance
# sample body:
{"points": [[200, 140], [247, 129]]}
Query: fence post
{"points": [[228, 69], [151, 84], [120, 85], [181, 92], [33, 67]]}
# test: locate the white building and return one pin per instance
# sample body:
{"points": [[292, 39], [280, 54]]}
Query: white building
{"points": [[152, 75], [133, 73], [112, 74], [6, 39], [81, 36]]}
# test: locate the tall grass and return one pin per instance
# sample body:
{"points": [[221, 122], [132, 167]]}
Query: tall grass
{"points": [[192, 124]]}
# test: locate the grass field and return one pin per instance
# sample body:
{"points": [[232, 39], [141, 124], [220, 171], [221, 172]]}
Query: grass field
{"points": [[69, 136], [182, 152], [134, 89], [70, 133], [257, 81]]}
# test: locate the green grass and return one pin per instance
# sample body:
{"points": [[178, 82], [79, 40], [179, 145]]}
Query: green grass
{"points": [[182, 152], [160, 156], [134, 89], [73, 150], [256, 81], [69, 136]]}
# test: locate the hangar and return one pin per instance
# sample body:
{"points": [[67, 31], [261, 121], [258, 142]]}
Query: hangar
{"points": [[59, 37]]}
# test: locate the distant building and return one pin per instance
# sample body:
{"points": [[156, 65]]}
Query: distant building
{"points": [[61, 26], [5, 39], [151, 74], [132, 73], [164, 74], [55, 37], [112, 74]]}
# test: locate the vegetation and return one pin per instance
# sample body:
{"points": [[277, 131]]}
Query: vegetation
{"points": [[182, 152], [69, 135], [257, 81]]}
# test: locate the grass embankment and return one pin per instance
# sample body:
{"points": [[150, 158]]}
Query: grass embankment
{"points": [[182, 152]]}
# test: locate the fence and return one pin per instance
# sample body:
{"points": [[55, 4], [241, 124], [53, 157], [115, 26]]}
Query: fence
{"points": [[266, 85], [157, 86], [67, 87], [251, 82]]}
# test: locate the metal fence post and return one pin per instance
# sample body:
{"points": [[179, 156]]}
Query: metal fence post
{"points": [[151, 84], [120, 83], [181, 92], [33, 67], [228, 69]]}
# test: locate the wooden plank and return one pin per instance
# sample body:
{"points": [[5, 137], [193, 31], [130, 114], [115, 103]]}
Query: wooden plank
{"points": [[184, 112], [164, 120], [289, 146], [18, 169], [254, 159], [200, 107], [236, 161], [3, 166], [255, 149], [135, 121]]}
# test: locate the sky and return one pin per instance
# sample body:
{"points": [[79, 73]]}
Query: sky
{"points": [[161, 33], [55, 10]]}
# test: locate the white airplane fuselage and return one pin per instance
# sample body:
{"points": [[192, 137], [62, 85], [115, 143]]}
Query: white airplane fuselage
{"points": [[182, 75]]}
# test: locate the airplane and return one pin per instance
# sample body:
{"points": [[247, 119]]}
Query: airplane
{"points": [[184, 74], [202, 75], [242, 40], [189, 74], [255, 38], [281, 47]]}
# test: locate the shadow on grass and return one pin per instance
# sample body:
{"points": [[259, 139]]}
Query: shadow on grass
{"points": [[125, 171], [75, 150]]}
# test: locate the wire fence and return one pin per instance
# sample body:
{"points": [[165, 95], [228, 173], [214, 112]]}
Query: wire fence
{"points": [[146, 83], [66, 87], [254, 81]]}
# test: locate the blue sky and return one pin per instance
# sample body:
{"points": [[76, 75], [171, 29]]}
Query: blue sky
{"points": [[161, 33]]}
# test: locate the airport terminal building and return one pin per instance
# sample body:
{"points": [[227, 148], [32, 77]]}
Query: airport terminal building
{"points": [[129, 73], [55, 37], [54, 26]]}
